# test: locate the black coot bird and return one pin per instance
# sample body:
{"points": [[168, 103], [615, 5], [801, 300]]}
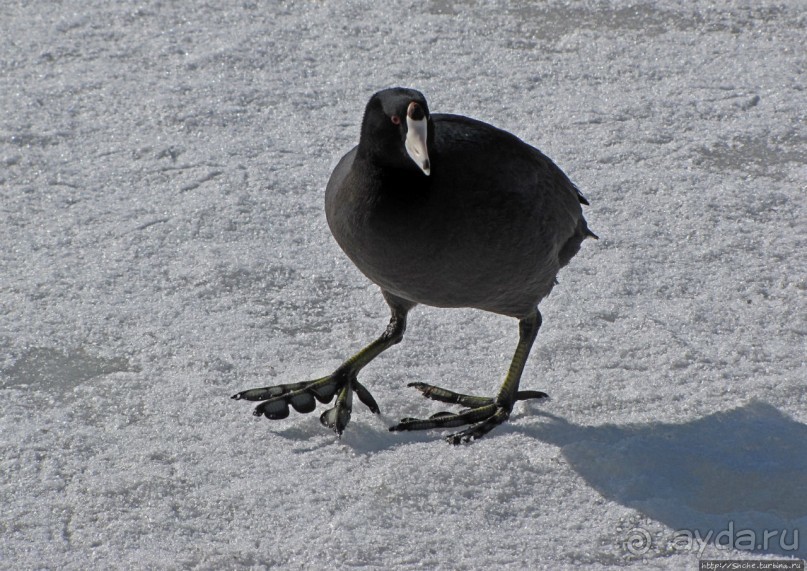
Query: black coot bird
{"points": [[447, 211]]}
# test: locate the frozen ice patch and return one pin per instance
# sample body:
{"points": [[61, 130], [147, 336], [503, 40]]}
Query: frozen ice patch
{"points": [[52, 369]]}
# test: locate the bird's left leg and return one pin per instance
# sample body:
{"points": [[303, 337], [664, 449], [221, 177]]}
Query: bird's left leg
{"points": [[341, 384], [483, 413]]}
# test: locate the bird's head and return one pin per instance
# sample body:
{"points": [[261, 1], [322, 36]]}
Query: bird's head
{"points": [[395, 132]]}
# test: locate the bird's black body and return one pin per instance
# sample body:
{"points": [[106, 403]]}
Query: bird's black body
{"points": [[447, 211], [489, 227]]}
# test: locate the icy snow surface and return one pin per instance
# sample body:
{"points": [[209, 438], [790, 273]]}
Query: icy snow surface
{"points": [[164, 245]]}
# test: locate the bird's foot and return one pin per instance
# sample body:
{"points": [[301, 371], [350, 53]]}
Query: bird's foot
{"points": [[301, 396], [483, 413]]}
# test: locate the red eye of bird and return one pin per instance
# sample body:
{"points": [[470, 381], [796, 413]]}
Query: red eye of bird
{"points": [[395, 120]]}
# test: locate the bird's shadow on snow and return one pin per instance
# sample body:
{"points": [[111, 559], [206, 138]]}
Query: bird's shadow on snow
{"points": [[726, 479]]}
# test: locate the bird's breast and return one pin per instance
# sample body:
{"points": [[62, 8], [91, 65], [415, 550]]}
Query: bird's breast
{"points": [[432, 250]]}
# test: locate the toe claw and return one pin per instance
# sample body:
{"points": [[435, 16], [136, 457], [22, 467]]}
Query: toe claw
{"points": [[402, 424], [424, 388], [454, 439], [365, 397], [335, 418], [407, 423], [338, 416], [526, 395]]}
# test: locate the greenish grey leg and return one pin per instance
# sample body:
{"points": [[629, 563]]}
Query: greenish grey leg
{"points": [[483, 414], [342, 383]]}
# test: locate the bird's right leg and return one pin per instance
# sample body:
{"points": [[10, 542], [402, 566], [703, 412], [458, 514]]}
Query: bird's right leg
{"points": [[341, 383], [482, 413]]}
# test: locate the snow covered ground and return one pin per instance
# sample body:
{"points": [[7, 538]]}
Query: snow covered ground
{"points": [[163, 245]]}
